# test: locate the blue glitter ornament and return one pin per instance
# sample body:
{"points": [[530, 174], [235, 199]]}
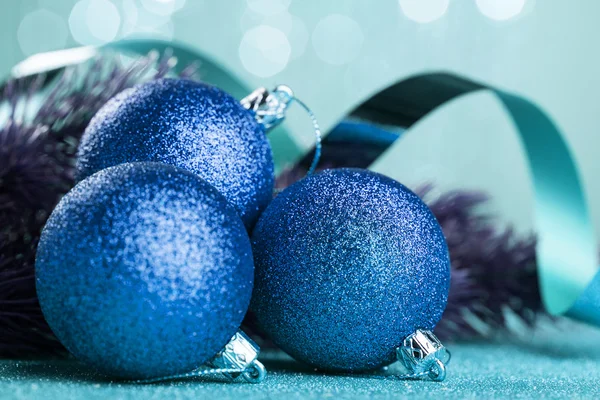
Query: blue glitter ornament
{"points": [[190, 125], [144, 270], [348, 263]]}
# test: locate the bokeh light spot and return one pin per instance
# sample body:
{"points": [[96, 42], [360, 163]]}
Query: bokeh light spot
{"points": [[94, 22], [424, 11], [40, 31], [500, 10], [264, 51], [337, 39]]}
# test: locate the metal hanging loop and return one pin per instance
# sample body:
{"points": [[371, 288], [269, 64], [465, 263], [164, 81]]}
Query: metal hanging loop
{"points": [[270, 108], [424, 356]]}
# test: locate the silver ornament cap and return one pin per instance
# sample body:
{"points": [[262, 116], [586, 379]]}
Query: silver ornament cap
{"points": [[422, 354], [269, 107], [240, 353]]}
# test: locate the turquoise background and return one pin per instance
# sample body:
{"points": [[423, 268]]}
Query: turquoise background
{"points": [[546, 52], [542, 50]]}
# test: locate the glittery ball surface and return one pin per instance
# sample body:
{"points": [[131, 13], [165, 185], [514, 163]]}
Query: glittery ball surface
{"points": [[348, 263], [190, 125], [144, 270]]}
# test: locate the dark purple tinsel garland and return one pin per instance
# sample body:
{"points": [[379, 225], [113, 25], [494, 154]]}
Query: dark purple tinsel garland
{"points": [[492, 269], [37, 158]]}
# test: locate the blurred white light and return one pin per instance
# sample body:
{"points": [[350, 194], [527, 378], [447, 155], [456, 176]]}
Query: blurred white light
{"points": [[103, 20], [264, 51], [424, 11], [94, 22], [163, 7], [337, 39], [42, 30], [501, 10], [268, 7]]}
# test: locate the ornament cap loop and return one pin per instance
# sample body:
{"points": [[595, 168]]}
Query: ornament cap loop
{"points": [[269, 107], [255, 373], [423, 355], [438, 371]]}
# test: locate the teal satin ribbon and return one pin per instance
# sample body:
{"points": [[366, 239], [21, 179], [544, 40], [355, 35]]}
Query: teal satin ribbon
{"points": [[566, 249]]}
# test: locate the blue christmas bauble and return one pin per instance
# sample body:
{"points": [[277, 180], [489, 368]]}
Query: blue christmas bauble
{"points": [[348, 263], [190, 125], [144, 270]]}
